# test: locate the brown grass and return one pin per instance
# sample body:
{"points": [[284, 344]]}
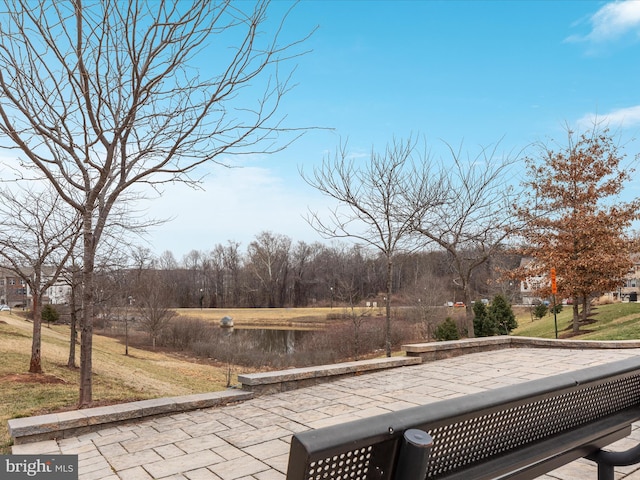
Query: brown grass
{"points": [[281, 318], [116, 378]]}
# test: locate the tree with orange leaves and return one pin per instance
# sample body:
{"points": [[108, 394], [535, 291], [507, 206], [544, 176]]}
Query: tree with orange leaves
{"points": [[575, 221]]}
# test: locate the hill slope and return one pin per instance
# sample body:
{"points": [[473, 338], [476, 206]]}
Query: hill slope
{"points": [[617, 321], [117, 378]]}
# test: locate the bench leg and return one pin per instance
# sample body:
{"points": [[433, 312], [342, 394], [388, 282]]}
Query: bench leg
{"points": [[605, 472], [413, 459], [607, 460]]}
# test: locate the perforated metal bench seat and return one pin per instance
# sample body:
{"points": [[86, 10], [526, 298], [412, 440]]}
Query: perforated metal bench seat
{"points": [[519, 432]]}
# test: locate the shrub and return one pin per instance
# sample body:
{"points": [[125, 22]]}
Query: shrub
{"points": [[345, 339], [483, 324], [557, 309], [540, 311], [49, 314], [605, 300], [447, 330], [501, 313], [181, 333]]}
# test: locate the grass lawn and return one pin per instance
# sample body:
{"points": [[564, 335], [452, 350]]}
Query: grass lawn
{"points": [[117, 378], [618, 321]]}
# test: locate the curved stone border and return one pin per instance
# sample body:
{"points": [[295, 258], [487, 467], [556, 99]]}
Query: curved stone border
{"points": [[439, 350], [281, 381], [66, 424]]}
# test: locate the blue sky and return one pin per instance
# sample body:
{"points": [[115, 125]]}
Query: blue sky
{"points": [[470, 72]]}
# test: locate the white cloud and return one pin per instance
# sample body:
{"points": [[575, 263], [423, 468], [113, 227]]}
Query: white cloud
{"points": [[622, 118], [232, 204], [612, 21], [236, 205]]}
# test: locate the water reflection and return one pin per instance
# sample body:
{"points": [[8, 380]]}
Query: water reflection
{"points": [[268, 340]]}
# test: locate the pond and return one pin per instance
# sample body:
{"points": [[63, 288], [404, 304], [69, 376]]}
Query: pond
{"points": [[268, 340]]}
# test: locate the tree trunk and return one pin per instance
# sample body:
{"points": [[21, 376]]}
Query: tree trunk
{"points": [[35, 365], [388, 307], [86, 325], [576, 316], [126, 334], [585, 309], [71, 362], [467, 309]]}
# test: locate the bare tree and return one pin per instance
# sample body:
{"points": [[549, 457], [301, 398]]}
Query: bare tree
{"points": [[475, 220], [151, 303], [268, 261], [150, 287], [38, 234], [102, 97], [72, 275], [426, 298], [109, 285], [302, 258], [167, 261], [346, 290], [225, 266], [232, 260], [373, 207], [194, 262]]}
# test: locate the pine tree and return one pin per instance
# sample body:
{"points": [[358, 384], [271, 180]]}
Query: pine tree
{"points": [[447, 330], [483, 324], [501, 315], [540, 310]]}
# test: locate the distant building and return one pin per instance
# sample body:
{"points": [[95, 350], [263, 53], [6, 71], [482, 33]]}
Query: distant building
{"points": [[530, 286], [13, 290], [59, 293], [16, 293], [628, 292]]}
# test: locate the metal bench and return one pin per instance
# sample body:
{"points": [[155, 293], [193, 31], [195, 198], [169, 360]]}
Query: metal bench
{"points": [[516, 432]]}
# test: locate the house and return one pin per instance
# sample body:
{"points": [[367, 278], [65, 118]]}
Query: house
{"points": [[530, 286], [13, 290], [59, 292], [16, 293], [628, 292]]}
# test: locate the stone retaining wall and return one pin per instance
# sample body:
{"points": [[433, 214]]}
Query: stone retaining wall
{"points": [[291, 379], [65, 424], [439, 350], [75, 422]]}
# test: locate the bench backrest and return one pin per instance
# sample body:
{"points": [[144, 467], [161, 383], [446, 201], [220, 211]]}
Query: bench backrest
{"points": [[472, 429]]}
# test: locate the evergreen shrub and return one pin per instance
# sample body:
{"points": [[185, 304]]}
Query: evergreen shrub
{"points": [[49, 314], [447, 330]]}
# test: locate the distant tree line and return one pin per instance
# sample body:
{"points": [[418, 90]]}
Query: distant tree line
{"points": [[274, 272]]}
